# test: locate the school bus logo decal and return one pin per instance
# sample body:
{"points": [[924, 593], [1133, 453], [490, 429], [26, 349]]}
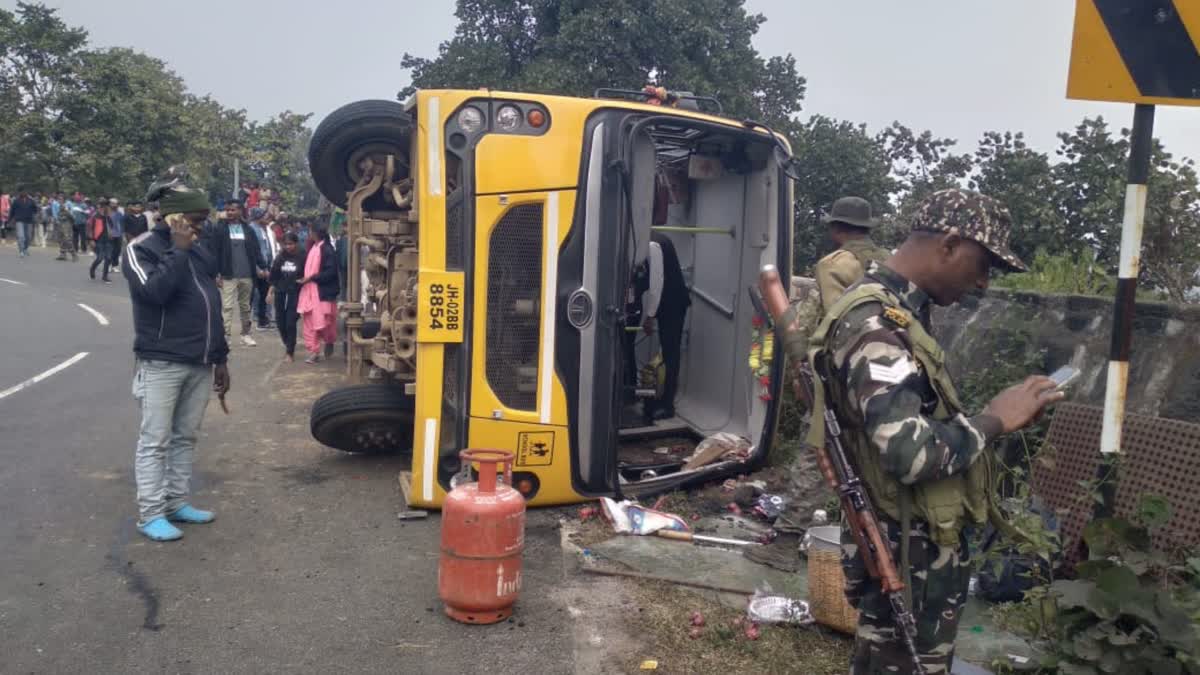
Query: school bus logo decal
{"points": [[535, 448]]}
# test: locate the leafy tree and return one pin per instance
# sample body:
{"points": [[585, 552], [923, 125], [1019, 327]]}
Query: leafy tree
{"points": [[109, 121], [1023, 180], [277, 157], [39, 56], [1091, 188], [834, 158], [921, 164], [574, 47], [1091, 182], [123, 121], [218, 134], [1170, 256]]}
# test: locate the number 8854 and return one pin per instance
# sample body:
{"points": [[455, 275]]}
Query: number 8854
{"points": [[443, 307]]}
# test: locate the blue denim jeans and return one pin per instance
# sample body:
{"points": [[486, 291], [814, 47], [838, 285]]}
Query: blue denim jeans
{"points": [[173, 397], [24, 235]]}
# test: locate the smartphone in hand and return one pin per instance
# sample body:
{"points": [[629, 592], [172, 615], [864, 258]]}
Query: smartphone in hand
{"points": [[1064, 376]]}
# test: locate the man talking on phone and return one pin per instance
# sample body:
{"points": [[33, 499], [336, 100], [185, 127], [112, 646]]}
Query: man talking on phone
{"points": [[179, 344]]}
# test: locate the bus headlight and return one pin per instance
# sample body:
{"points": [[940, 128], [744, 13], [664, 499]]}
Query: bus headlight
{"points": [[470, 119], [508, 118]]}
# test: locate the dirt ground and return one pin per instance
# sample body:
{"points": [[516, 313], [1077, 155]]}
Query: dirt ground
{"points": [[659, 613], [663, 619]]}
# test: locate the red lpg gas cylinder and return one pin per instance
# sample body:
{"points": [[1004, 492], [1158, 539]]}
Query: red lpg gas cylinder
{"points": [[483, 535]]}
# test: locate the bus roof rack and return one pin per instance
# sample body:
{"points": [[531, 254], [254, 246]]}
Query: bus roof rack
{"points": [[686, 99]]}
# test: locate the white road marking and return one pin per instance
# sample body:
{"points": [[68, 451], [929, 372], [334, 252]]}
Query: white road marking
{"points": [[41, 376], [99, 317], [13, 282]]}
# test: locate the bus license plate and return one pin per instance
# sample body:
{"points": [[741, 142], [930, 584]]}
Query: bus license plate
{"points": [[440, 303]]}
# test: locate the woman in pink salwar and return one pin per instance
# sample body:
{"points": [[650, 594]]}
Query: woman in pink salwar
{"points": [[318, 296]]}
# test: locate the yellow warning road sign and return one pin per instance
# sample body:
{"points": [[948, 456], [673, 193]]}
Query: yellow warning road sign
{"points": [[1136, 51]]}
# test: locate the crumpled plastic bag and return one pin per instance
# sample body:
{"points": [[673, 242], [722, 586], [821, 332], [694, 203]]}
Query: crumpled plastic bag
{"points": [[628, 517], [766, 606]]}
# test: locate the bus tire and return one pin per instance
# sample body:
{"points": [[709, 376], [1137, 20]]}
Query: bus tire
{"points": [[371, 128], [375, 418]]}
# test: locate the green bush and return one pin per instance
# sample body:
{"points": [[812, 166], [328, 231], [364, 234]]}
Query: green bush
{"points": [[1130, 610], [1075, 274], [1069, 274]]}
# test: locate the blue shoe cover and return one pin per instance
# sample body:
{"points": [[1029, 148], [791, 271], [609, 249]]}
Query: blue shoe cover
{"points": [[160, 530], [190, 514]]}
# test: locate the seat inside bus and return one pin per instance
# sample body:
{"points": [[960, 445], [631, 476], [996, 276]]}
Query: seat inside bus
{"points": [[728, 192]]}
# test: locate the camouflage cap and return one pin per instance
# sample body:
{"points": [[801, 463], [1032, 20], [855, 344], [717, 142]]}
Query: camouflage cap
{"points": [[976, 217]]}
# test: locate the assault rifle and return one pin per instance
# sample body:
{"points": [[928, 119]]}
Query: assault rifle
{"points": [[839, 472]]}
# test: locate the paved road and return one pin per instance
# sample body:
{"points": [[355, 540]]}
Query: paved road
{"points": [[306, 569]]}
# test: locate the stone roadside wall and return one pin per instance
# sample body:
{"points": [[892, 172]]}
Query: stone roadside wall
{"points": [[1164, 376]]}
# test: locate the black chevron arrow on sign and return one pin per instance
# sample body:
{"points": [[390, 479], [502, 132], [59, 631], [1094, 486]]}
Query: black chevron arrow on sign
{"points": [[1160, 55]]}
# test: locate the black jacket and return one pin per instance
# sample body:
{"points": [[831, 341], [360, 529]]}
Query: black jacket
{"points": [[327, 276], [176, 302], [286, 271], [23, 210], [675, 298], [222, 245], [134, 225]]}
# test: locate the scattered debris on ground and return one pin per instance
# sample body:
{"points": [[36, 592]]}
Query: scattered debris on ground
{"points": [[656, 450], [725, 641], [719, 446], [697, 560]]}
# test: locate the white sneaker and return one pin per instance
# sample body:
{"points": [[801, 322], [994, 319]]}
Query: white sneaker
{"points": [[249, 341]]}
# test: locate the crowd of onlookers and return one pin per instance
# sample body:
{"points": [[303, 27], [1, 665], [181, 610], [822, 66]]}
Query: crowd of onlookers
{"points": [[262, 254], [265, 260]]}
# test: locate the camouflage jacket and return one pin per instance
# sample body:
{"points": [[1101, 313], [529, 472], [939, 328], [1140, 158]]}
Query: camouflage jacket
{"points": [[889, 398]]}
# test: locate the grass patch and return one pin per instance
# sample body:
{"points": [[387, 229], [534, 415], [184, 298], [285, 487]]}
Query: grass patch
{"points": [[722, 647], [784, 451], [591, 531]]}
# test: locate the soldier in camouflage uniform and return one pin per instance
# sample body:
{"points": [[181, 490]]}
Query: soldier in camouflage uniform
{"points": [[850, 224], [66, 234], [915, 448]]}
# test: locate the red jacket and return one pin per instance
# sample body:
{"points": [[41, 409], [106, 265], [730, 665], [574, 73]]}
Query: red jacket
{"points": [[99, 227]]}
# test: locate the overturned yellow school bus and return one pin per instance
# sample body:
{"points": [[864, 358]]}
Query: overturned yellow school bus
{"points": [[493, 237]]}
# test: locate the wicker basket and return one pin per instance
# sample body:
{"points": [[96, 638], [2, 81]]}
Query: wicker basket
{"points": [[826, 591]]}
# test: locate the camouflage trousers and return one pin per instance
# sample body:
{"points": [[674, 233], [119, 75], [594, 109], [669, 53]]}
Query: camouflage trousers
{"points": [[940, 576], [66, 238]]}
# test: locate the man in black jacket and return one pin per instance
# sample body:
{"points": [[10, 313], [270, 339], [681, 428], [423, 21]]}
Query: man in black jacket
{"points": [[179, 340], [240, 262], [23, 213], [134, 222]]}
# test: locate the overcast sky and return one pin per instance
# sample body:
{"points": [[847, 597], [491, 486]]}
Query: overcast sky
{"points": [[957, 68]]}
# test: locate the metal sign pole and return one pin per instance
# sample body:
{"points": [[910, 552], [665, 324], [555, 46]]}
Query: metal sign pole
{"points": [[1124, 306]]}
